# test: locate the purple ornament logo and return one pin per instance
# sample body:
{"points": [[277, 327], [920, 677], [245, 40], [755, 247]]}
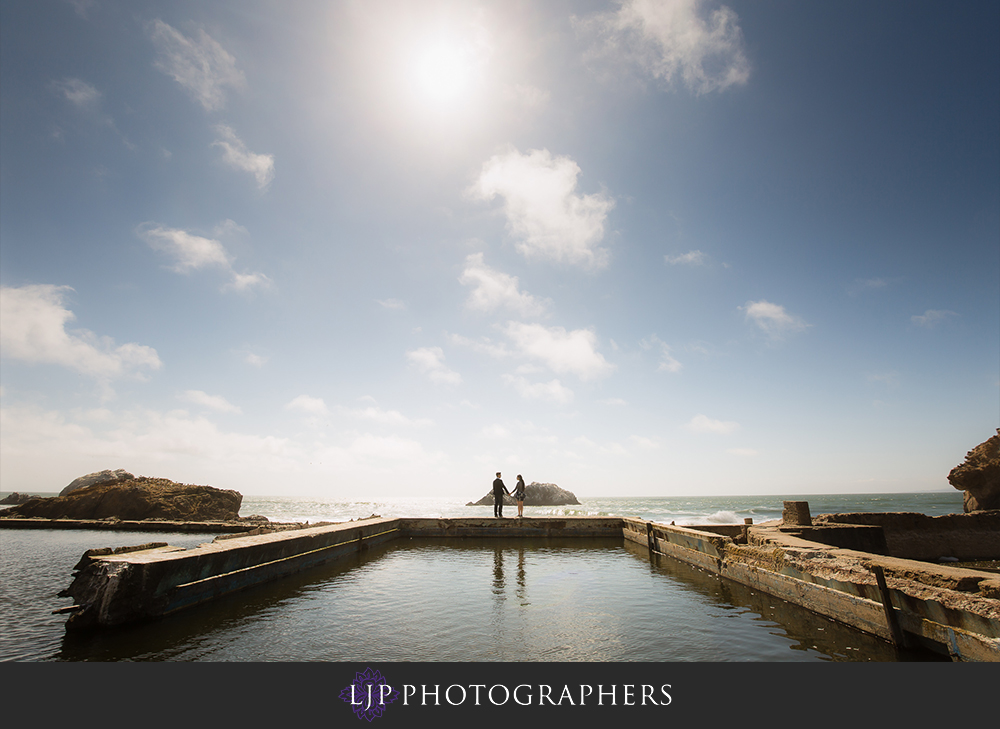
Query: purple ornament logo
{"points": [[369, 694]]}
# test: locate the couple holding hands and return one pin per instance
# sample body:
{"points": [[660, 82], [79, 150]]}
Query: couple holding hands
{"points": [[499, 490]]}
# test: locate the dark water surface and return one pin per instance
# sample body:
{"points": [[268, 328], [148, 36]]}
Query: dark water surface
{"points": [[433, 600]]}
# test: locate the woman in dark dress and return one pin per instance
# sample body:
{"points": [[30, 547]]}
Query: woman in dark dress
{"points": [[519, 495]]}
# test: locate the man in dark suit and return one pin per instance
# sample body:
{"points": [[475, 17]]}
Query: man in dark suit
{"points": [[498, 491]]}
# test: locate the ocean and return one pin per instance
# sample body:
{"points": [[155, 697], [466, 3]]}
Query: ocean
{"points": [[473, 600]]}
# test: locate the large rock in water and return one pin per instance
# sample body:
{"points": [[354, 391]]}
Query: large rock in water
{"points": [[979, 476], [535, 494], [98, 477], [137, 498]]}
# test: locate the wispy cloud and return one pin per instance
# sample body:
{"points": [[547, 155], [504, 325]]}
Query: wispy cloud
{"points": [[552, 391], [191, 252], [430, 361], [391, 304], [33, 323], [87, 100], [667, 361], [674, 41], [484, 345], [199, 64], [236, 155], [772, 319], [691, 258], [562, 351], [932, 317], [79, 93], [309, 405], [375, 414], [212, 402], [546, 215], [861, 285], [704, 424], [494, 290]]}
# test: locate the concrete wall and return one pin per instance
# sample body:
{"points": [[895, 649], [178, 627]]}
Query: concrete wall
{"points": [[952, 610]]}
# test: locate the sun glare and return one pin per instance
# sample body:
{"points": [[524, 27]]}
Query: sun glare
{"points": [[441, 73]]}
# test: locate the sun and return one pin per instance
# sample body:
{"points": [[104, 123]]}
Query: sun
{"points": [[441, 73]]}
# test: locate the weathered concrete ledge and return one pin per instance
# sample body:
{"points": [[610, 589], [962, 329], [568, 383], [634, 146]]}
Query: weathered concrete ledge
{"points": [[117, 587], [129, 525], [947, 609]]}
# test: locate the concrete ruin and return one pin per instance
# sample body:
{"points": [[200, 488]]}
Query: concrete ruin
{"points": [[868, 571]]}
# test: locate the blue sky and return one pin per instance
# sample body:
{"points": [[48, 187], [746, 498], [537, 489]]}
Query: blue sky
{"points": [[351, 249]]}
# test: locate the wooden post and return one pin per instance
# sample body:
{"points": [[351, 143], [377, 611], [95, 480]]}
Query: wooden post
{"points": [[890, 613]]}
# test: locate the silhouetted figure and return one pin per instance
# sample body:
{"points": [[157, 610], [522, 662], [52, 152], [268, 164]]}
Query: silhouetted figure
{"points": [[519, 495], [498, 491]]}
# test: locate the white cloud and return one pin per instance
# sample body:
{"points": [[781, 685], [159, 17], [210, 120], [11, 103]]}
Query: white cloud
{"points": [[553, 391], [667, 361], [494, 289], [888, 378], [931, 317], [309, 405], [772, 318], [704, 424], [742, 452], [674, 40], [430, 361], [613, 401], [212, 402], [867, 284], [192, 252], [255, 360], [33, 329], [236, 155], [527, 96], [199, 64], [79, 93], [391, 304], [573, 352], [87, 99], [496, 432], [484, 346], [546, 215], [691, 258], [384, 417]]}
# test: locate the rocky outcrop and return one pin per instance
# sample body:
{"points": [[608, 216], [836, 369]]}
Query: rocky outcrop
{"points": [[136, 498], [979, 476], [535, 494], [98, 477], [15, 498]]}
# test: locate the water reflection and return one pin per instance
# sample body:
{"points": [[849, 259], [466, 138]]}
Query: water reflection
{"points": [[491, 600]]}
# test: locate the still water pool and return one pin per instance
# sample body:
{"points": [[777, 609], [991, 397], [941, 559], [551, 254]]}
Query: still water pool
{"points": [[434, 600]]}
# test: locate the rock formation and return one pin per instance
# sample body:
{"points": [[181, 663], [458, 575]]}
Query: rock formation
{"points": [[99, 477], [136, 498], [535, 494], [15, 498], [979, 476]]}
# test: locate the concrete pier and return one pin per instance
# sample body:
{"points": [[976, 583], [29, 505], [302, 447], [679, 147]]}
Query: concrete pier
{"points": [[114, 588]]}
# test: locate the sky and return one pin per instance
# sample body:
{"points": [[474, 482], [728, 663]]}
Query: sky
{"points": [[366, 249]]}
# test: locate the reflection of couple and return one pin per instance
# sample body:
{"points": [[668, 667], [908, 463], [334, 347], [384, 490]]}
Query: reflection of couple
{"points": [[499, 490]]}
